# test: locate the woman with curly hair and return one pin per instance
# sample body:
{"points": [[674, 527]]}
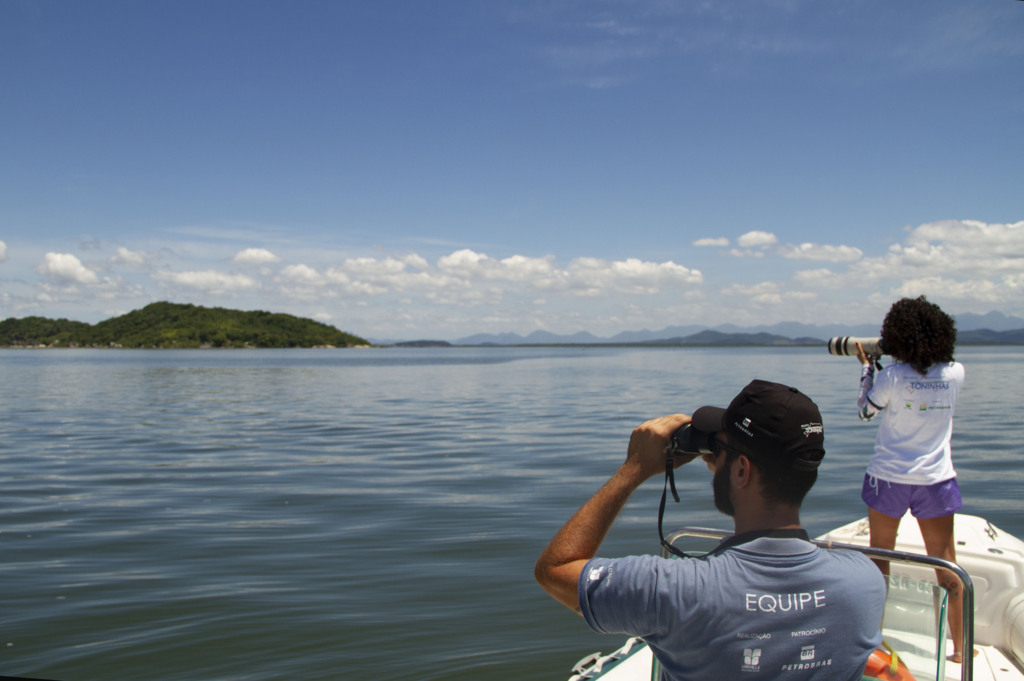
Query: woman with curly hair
{"points": [[912, 466]]}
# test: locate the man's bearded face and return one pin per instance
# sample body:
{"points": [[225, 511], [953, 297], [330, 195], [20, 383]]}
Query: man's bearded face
{"points": [[720, 486]]}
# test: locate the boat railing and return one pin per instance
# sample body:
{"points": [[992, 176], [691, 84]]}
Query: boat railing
{"points": [[893, 556]]}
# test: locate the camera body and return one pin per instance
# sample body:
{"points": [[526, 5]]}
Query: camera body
{"points": [[847, 346], [689, 440]]}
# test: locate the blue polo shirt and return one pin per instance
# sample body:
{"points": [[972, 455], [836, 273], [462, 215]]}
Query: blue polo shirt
{"points": [[770, 607]]}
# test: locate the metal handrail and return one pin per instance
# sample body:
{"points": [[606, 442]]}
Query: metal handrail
{"points": [[903, 557]]}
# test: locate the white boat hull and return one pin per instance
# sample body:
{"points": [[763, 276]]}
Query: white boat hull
{"points": [[995, 561]]}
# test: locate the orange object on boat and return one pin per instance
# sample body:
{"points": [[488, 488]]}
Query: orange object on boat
{"points": [[887, 665]]}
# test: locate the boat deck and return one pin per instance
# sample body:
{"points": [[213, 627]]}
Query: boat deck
{"points": [[989, 665], [995, 562]]}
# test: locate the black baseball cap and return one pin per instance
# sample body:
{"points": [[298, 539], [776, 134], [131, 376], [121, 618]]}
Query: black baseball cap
{"points": [[771, 419]]}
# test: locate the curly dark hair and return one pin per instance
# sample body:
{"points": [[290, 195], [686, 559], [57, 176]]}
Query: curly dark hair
{"points": [[919, 333]]}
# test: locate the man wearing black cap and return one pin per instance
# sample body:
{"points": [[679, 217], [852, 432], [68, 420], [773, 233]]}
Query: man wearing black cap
{"points": [[766, 601]]}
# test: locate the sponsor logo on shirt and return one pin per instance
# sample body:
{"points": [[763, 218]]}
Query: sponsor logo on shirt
{"points": [[806, 664], [751, 660]]}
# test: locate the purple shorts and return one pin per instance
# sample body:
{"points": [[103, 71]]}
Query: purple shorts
{"points": [[924, 501]]}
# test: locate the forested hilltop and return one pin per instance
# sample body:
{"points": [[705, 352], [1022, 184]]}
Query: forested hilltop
{"points": [[173, 325]]}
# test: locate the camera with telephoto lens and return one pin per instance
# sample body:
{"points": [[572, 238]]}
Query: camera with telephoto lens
{"points": [[847, 346], [689, 440]]}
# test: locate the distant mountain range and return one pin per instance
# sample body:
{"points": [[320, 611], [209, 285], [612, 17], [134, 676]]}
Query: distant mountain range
{"points": [[994, 327], [171, 325]]}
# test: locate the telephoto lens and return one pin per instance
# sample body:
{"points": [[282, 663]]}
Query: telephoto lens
{"points": [[847, 346]]}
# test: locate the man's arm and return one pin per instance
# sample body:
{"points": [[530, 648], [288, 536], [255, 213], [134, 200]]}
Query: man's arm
{"points": [[559, 566]]}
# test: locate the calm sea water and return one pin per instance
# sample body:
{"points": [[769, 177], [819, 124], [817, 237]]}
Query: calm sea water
{"points": [[327, 514]]}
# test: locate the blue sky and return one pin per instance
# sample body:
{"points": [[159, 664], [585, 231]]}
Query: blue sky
{"points": [[406, 169]]}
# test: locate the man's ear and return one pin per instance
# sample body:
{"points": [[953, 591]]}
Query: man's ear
{"points": [[742, 471]]}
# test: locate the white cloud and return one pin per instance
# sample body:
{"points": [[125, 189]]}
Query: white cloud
{"points": [[757, 239], [379, 276], [953, 250], [809, 251], [822, 278], [966, 246], [978, 291], [466, 278], [522, 268], [468, 266], [752, 244], [302, 274], [720, 242], [65, 267], [963, 265], [416, 261], [3, 251], [745, 253], [769, 293], [372, 267], [335, 275], [255, 256], [969, 233], [210, 281], [971, 265], [545, 273], [630, 275], [467, 263], [129, 258], [764, 288]]}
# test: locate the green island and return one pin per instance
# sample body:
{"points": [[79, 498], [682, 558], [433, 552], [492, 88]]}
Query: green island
{"points": [[174, 325]]}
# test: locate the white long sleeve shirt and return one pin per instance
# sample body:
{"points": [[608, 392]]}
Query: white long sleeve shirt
{"points": [[916, 422]]}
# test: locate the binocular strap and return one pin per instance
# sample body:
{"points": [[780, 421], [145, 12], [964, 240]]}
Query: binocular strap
{"points": [[670, 481]]}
